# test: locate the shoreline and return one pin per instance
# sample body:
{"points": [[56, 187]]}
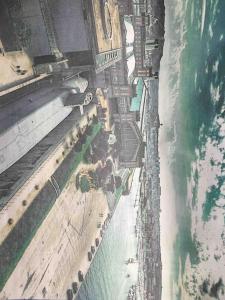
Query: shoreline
{"points": [[168, 221], [124, 286]]}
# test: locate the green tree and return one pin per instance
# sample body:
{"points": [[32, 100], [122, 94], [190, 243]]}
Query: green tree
{"points": [[84, 184]]}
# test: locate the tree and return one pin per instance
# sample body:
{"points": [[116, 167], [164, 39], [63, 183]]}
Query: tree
{"points": [[74, 287], [118, 181], [95, 119], [78, 146], [88, 180], [87, 156], [84, 184], [83, 138], [109, 165], [77, 181], [94, 158], [88, 130], [110, 187]]}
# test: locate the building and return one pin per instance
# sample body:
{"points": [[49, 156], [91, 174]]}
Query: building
{"points": [[120, 89], [67, 34], [147, 19], [131, 150], [35, 113], [61, 47], [142, 48], [125, 7]]}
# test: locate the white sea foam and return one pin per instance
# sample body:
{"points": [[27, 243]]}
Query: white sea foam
{"points": [[211, 255], [168, 97], [215, 66], [210, 31], [215, 93], [207, 166], [192, 12], [196, 77], [215, 8], [203, 16]]}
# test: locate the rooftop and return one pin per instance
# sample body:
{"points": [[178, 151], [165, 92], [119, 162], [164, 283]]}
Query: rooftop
{"points": [[136, 101]]}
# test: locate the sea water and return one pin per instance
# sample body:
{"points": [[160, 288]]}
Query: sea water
{"points": [[194, 78], [109, 276]]}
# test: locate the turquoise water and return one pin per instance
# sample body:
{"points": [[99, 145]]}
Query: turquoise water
{"points": [[136, 101], [107, 278], [199, 103]]}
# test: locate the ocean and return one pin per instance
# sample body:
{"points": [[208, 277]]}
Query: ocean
{"points": [[109, 278], [193, 79]]}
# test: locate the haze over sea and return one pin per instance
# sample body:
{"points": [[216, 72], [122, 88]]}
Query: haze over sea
{"points": [[192, 143]]}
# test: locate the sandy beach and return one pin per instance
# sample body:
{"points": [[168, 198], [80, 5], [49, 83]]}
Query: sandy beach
{"points": [[168, 222], [59, 249], [168, 216]]}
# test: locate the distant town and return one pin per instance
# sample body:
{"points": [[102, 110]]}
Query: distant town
{"points": [[78, 116]]}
